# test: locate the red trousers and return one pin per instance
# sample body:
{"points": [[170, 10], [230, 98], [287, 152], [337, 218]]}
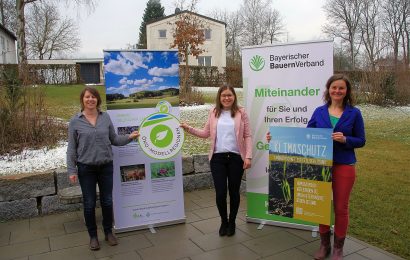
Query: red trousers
{"points": [[343, 177]]}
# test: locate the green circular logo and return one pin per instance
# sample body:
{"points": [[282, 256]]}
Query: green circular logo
{"points": [[257, 63], [161, 136]]}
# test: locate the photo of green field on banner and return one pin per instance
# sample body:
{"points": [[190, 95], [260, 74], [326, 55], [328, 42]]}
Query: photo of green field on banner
{"points": [[300, 166]]}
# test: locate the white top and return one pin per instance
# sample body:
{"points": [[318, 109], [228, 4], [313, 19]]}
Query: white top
{"points": [[225, 134]]}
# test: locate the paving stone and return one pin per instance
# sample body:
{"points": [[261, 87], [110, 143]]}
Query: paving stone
{"points": [[168, 233], [24, 249], [185, 248], [206, 213], [292, 254], [201, 163], [25, 186], [237, 252], [128, 256], [213, 241], [17, 209], [75, 226], [4, 238], [77, 253], [69, 240], [125, 244], [274, 243], [375, 254], [252, 229]]}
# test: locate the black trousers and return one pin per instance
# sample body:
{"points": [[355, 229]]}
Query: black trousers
{"points": [[227, 171]]}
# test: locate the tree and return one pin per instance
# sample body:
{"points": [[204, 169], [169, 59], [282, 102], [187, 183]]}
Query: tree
{"points": [[233, 31], [274, 24], [154, 10], [21, 22], [343, 20], [393, 24], [188, 37], [253, 15], [49, 34], [370, 30]]}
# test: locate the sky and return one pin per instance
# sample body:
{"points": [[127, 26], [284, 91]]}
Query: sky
{"points": [[130, 72], [115, 24]]}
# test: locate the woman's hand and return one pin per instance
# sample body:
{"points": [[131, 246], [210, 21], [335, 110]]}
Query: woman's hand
{"points": [[185, 126], [134, 135], [268, 137], [247, 164], [339, 137], [73, 179]]}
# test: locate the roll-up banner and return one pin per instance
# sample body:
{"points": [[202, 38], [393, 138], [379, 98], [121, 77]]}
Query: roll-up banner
{"points": [[289, 183], [142, 93]]}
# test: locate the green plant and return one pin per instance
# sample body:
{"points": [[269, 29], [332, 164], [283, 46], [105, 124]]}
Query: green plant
{"points": [[326, 173], [285, 185]]}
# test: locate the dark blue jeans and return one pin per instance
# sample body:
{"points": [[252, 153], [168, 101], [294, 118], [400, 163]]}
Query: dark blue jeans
{"points": [[89, 176], [227, 171]]}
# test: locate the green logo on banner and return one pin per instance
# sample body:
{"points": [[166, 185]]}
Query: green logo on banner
{"points": [[161, 136], [257, 63]]}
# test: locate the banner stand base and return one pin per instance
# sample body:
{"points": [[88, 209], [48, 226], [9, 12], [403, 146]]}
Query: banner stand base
{"points": [[152, 229], [150, 226], [263, 222]]}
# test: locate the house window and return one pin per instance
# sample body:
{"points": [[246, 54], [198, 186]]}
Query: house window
{"points": [[205, 60], [162, 33], [207, 34]]}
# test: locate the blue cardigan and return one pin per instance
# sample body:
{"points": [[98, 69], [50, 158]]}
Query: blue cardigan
{"points": [[350, 124]]}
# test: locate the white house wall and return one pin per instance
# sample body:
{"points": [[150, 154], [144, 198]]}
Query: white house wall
{"points": [[8, 54], [215, 47]]}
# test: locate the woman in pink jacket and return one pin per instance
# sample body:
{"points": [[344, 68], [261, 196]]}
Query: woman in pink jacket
{"points": [[230, 152]]}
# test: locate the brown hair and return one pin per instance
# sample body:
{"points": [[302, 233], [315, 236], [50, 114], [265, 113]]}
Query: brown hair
{"points": [[218, 105], [94, 92], [348, 99]]}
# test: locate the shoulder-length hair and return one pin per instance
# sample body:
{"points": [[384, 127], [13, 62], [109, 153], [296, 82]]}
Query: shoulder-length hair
{"points": [[94, 92], [348, 99], [218, 105]]}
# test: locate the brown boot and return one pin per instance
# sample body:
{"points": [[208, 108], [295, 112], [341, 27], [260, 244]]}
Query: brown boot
{"points": [[338, 248], [324, 249], [94, 244], [111, 239]]}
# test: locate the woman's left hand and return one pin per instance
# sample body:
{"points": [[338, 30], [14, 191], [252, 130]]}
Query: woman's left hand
{"points": [[247, 164], [339, 137], [134, 135]]}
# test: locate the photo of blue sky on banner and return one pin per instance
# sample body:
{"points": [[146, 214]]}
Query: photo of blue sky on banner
{"points": [[129, 72]]}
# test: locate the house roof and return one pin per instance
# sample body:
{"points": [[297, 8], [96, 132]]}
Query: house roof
{"points": [[4, 29], [186, 11]]}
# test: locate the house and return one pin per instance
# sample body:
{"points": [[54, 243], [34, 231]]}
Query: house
{"points": [[91, 70], [159, 37], [8, 54]]}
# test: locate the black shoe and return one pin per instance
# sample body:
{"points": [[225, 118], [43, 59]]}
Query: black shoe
{"points": [[223, 229], [231, 229]]}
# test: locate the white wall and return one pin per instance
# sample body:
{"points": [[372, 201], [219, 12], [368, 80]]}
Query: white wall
{"points": [[8, 53], [215, 47]]}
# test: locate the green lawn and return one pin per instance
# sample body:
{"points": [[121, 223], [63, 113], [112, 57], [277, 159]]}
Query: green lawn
{"points": [[64, 101], [380, 202], [128, 103]]}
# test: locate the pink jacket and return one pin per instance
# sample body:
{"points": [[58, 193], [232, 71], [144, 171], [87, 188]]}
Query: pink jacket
{"points": [[242, 130]]}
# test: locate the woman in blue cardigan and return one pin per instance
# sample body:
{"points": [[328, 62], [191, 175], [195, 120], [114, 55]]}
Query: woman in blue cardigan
{"points": [[348, 133]]}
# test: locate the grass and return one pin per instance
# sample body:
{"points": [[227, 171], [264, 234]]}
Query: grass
{"points": [[64, 101], [128, 103], [380, 201]]}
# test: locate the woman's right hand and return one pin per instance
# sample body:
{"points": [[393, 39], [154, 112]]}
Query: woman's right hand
{"points": [[73, 179], [268, 137], [185, 126]]}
